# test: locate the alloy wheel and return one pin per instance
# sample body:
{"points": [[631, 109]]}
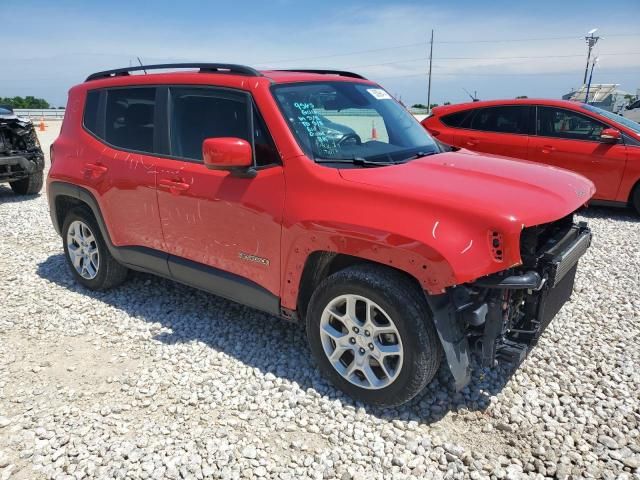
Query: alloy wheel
{"points": [[361, 341], [83, 250]]}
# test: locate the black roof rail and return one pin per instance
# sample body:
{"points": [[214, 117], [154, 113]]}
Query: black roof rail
{"points": [[342, 73], [204, 68]]}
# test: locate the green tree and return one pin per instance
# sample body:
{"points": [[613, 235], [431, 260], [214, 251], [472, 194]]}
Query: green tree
{"points": [[418, 105], [27, 102], [521, 96]]}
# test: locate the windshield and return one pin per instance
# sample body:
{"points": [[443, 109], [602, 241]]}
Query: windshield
{"points": [[347, 121], [635, 126], [4, 111]]}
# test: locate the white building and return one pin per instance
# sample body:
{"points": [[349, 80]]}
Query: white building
{"points": [[603, 95]]}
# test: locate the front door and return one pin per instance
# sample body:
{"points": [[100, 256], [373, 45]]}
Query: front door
{"points": [[212, 217], [571, 140]]}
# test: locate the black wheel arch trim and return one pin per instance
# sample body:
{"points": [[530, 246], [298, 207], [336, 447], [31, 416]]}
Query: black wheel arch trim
{"points": [[454, 342], [188, 272]]}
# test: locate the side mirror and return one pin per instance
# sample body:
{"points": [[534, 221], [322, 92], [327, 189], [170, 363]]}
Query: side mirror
{"points": [[610, 135], [228, 153]]}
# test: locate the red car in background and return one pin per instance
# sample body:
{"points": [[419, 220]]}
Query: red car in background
{"points": [[600, 145]]}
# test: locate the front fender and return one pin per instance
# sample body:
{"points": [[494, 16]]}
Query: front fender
{"points": [[409, 255]]}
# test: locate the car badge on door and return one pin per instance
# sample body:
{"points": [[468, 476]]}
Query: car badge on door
{"points": [[253, 258]]}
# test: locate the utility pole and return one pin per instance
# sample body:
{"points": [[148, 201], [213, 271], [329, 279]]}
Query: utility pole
{"points": [[586, 97], [591, 41], [430, 63]]}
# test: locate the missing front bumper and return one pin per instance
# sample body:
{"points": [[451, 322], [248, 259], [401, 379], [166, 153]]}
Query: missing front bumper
{"points": [[502, 316], [519, 315], [13, 167]]}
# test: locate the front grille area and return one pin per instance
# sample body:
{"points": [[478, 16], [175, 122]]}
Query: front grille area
{"points": [[554, 298], [561, 264], [536, 240], [520, 303]]}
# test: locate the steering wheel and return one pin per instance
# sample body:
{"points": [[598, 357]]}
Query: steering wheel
{"points": [[350, 136]]}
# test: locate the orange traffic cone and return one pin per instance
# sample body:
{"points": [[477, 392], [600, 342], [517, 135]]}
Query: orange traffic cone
{"points": [[42, 125], [374, 132]]}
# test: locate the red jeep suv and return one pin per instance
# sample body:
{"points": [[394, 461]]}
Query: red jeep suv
{"points": [[602, 146], [314, 196]]}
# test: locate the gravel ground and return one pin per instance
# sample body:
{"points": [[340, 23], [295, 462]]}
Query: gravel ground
{"points": [[158, 380]]}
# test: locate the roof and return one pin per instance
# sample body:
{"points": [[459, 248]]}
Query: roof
{"points": [[512, 101], [226, 69], [290, 76]]}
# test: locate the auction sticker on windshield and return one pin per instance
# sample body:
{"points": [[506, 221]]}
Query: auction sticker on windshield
{"points": [[379, 94]]}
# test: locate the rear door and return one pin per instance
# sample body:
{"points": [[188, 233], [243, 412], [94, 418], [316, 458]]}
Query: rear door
{"points": [[500, 130], [445, 128], [119, 165], [571, 140]]}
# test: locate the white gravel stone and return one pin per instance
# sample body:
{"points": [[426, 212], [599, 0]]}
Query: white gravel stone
{"points": [[4, 459]]}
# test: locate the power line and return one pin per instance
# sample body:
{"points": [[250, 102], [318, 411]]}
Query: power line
{"points": [[343, 54], [532, 56], [472, 74], [408, 45], [523, 57], [536, 39]]}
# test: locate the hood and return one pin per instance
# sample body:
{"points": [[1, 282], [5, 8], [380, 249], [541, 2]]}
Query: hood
{"points": [[12, 117], [516, 191]]}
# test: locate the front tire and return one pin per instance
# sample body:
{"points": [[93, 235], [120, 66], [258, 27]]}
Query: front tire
{"points": [[87, 254], [635, 198], [29, 185], [371, 333]]}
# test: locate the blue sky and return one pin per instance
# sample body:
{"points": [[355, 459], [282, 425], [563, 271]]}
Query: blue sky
{"points": [[500, 48]]}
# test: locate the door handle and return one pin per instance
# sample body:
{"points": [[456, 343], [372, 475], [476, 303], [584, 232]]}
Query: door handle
{"points": [[94, 170], [175, 187], [472, 142], [548, 149]]}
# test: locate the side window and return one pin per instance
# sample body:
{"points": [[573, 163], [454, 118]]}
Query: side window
{"points": [[508, 119], [199, 113], [266, 152], [560, 123], [129, 121], [458, 119], [90, 118]]}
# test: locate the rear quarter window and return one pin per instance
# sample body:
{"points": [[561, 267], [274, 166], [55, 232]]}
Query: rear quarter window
{"points": [[91, 111]]}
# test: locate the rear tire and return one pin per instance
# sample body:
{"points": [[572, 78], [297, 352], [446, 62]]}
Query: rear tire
{"points": [[87, 254], [29, 185], [347, 341]]}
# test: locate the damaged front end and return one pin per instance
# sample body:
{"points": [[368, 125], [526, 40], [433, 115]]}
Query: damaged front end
{"points": [[502, 316], [20, 151]]}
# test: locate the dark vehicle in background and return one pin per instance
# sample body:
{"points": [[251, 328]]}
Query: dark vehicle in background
{"points": [[632, 111], [602, 146], [21, 158]]}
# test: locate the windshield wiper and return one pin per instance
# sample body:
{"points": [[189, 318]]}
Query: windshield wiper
{"points": [[356, 161], [418, 155]]}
